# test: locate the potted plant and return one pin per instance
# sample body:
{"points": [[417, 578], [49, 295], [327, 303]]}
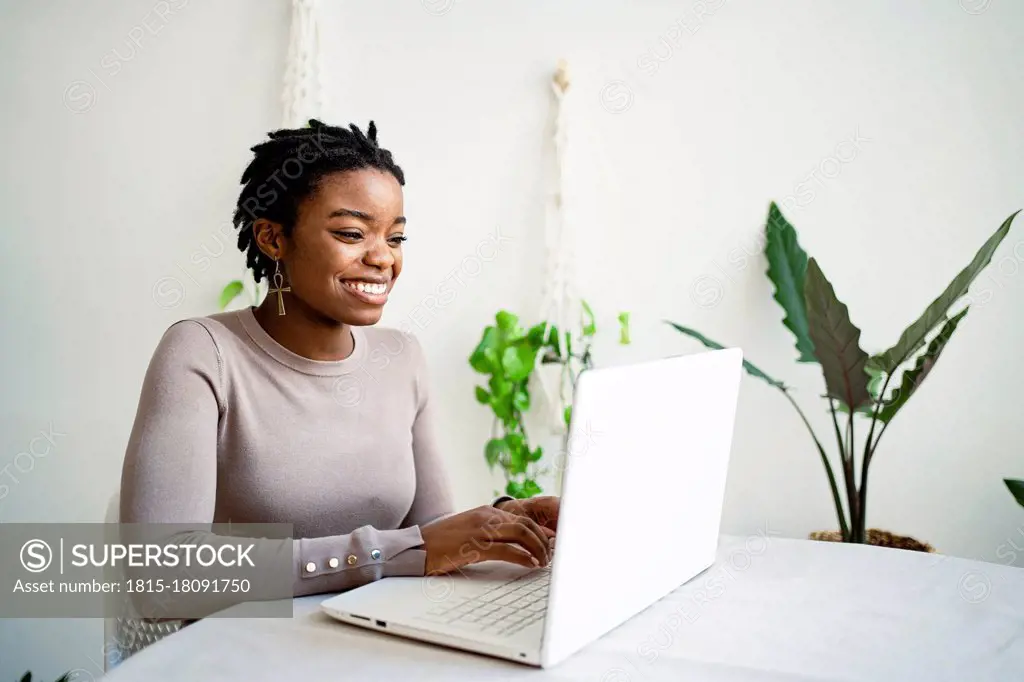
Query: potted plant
{"points": [[508, 354], [856, 383]]}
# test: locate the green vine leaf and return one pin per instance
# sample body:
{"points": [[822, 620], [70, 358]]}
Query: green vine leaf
{"points": [[507, 322], [517, 461], [230, 292], [521, 401], [530, 488], [624, 329], [495, 449], [518, 361], [483, 358], [589, 324], [515, 441]]}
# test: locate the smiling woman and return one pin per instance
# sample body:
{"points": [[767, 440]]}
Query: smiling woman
{"points": [[276, 413], [322, 209]]}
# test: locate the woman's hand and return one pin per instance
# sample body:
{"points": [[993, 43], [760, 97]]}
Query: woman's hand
{"points": [[543, 510], [484, 534]]}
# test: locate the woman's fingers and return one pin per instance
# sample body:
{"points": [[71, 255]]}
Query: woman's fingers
{"points": [[527, 533], [548, 514], [504, 551], [542, 536]]}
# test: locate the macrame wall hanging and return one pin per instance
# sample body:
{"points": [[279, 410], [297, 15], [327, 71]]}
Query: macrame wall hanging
{"points": [[560, 302], [302, 96], [582, 173]]}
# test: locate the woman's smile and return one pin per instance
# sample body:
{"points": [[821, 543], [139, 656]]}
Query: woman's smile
{"points": [[374, 292]]}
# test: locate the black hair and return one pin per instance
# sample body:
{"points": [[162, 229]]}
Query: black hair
{"points": [[288, 167]]}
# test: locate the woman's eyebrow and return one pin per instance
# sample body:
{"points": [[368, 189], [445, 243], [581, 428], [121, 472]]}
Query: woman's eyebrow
{"points": [[351, 212]]}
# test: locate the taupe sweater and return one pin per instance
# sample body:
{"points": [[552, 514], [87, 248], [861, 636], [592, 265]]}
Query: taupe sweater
{"points": [[232, 426]]}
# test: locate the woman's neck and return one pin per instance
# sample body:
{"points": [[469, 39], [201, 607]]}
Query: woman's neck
{"points": [[308, 335]]}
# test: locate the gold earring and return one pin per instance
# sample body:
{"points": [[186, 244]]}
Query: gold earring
{"points": [[278, 287]]}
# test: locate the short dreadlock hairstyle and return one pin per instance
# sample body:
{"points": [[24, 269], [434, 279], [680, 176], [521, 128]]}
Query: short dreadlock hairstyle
{"points": [[288, 167]]}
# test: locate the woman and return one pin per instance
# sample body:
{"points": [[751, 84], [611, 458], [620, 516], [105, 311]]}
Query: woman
{"points": [[300, 411]]}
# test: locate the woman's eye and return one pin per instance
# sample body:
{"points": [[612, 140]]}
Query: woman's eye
{"points": [[398, 239], [348, 234]]}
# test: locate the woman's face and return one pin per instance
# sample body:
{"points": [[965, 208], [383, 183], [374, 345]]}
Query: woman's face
{"points": [[346, 249]]}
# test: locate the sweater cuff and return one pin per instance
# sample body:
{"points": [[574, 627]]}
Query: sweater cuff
{"points": [[503, 498], [365, 549], [408, 563]]}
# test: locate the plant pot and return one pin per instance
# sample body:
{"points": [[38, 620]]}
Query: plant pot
{"points": [[879, 538]]}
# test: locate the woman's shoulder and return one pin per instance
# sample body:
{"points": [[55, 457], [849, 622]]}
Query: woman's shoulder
{"points": [[199, 332]]}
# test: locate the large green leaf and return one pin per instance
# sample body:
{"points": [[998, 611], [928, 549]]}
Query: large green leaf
{"points": [[787, 268], [836, 341], [1016, 487], [914, 336], [912, 378], [714, 345]]}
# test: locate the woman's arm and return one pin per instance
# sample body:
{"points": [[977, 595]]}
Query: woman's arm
{"points": [[433, 498], [170, 477]]}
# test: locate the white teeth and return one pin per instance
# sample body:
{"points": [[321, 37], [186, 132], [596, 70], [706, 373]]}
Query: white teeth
{"points": [[368, 287]]}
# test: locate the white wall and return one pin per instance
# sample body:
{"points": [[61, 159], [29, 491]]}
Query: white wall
{"points": [[118, 167]]}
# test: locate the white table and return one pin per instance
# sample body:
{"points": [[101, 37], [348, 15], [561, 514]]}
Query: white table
{"points": [[771, 609]]}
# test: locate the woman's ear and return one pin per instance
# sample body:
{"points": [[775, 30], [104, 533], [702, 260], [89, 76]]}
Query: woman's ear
{"points": [[269, 237]]}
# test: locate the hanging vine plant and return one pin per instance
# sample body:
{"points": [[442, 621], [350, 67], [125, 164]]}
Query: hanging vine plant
{"points": [[508, 354]]}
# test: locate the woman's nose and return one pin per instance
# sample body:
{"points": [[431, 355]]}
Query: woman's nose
{"points": [[378, 254]]}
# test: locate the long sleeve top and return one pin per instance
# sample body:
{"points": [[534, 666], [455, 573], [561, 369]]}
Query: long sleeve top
{"points": [[233, 427]]}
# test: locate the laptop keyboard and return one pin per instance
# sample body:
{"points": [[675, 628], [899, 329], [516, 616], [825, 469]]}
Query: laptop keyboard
{"points": [[503, 610]]}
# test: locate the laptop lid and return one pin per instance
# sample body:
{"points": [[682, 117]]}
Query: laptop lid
{"points": [[643, 488]]}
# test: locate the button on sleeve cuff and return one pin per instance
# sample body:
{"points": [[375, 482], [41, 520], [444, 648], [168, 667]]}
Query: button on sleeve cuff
{"points": [[366, 554]]}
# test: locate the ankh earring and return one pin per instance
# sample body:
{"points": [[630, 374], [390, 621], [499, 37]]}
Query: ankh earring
{"points": [[278, 287]]}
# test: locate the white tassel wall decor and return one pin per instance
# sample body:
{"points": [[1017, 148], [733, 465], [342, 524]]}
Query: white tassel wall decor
{"points": [[583, 176], [560, 305], [303, 92]]}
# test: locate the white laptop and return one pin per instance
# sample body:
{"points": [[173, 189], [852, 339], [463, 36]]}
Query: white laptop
{"points": [[640, 510]]}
